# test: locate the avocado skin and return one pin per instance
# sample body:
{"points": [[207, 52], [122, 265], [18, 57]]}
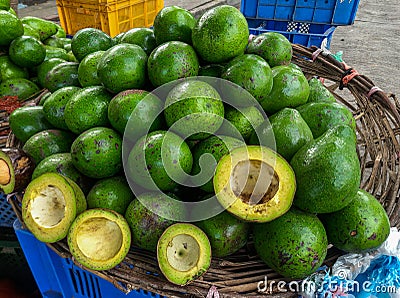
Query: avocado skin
{"points": [[26, 121], [87, 108], [294, 245], [44, 27], [62, 75], [227, 234], [61, 163], [146, 226], [327, 171], [320, 116], [20, 87], [48, 142], [220, 34], [290, 89], [318, 92], [9, 70], [291, 132], [218, 146], [10, 27], [252, 73], [171, 61], [361, 226], [173, 23], [274, 47], [89, 40], [97, 152], [111, 193]]}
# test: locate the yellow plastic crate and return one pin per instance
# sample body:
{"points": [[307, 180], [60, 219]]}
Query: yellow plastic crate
{"points": [[112, 17]]}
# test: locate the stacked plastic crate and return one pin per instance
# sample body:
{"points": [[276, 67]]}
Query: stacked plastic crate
{"points": [[306, 22]]}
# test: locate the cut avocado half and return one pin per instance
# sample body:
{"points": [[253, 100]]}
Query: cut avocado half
{"points": [[16, 168], [49, 207], [183, 253], [254, 183], [99, 239]]}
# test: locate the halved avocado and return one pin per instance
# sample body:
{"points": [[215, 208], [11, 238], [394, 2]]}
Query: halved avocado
{"points": [[99, 239], [254, 183], [49, 207], [16, 168], [183, 253]]}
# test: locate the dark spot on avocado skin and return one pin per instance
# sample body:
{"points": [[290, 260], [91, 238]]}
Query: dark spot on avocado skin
{"points": [[372, 237]]}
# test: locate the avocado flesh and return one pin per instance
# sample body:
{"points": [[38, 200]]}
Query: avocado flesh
{"points": [[48, 207], [5, 175], [254, 183], [252, 190], [183, 252], [16, 169], [99, 239]]}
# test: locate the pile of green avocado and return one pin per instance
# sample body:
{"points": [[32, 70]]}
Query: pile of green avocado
{"points": [[283, 165]]}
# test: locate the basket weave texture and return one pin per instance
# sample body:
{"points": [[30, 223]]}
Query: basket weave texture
{"points": [[378, 129]]}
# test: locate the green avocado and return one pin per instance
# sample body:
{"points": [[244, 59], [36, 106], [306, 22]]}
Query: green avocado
{"points": [[45, 67], [20, 87], [27, 51], [294, 245], [90, 40], [48, 142], [10, 28], [62, 75], [217, 146], [242, 122], [97, 152], [290, 131], [227, 234], [8, 70], [54, 106], [290, 89], [87, 70], [171, 61], [4, 4], [138, 111], [321, 116], [54, 42], [61, 163], [43, 99], [159, 160], [211, 70], [60, 32], [29, 31], [53, 52], [318, 92], [252, 73], [361, 226], [194, 109], [143, 37], [220, 34], [44, 27], [173, 23], [110, 193], [26, 121], [327, 171], [123, 67], [145, 223], [87, 108], [274, 47]]}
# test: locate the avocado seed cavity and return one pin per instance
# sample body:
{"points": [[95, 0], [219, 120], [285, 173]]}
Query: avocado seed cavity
{"points": [[254, 182], [183, 252], [99, 238], [48, 207], [5, 175]]}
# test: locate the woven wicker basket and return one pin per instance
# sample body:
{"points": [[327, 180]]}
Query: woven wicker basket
{"points": [[378, 127]]}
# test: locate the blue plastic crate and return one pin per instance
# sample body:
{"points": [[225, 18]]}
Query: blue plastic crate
{"points": [[300, 33], [59, 277], [7, 215], [333, 12]]}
